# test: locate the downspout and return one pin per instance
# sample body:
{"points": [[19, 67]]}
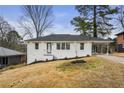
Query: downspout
{"points": [[75, 49]]}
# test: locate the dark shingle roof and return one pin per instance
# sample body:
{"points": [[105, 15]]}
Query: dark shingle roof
{"points": [[9, 52], [67, 37], [120, 33]]}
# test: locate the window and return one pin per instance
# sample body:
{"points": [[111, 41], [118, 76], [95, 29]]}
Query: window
{"points": [[36, 46], [58, 46], [49, 47], [81, 46], [3, 61], [63, 46], [67, 46]]}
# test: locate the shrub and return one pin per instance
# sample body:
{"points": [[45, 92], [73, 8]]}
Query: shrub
{"points": [[66, 58], [87, 55]]}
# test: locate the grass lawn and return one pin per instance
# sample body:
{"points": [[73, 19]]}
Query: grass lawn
{"points": [[83, 72], [11, 67], [118, 54]]}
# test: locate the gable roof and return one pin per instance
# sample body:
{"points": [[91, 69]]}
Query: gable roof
{"points": [[9, 52], [67, 37], [120, 33]]}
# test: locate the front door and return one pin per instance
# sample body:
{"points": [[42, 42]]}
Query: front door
{"points": [[49, 47]]}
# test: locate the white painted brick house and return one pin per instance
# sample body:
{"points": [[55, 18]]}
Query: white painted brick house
{"points": [[59, 46]]}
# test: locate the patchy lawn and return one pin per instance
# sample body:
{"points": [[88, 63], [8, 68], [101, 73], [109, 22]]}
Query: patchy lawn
{"points": [[84, 72], [80, 64]]}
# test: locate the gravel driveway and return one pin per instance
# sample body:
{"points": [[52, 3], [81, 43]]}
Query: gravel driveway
{"points": [[113, 58]]}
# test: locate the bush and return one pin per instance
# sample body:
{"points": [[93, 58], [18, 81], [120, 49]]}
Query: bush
{"points": [[46, 60], [87, 55], [66, 58]]}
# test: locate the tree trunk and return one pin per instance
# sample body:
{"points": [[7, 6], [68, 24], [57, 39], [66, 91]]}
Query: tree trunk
{"points": [[94, 22], [37, 34]]}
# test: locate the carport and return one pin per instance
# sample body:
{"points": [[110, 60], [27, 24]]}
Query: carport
{"points": [[10, 57], [101, 47]]}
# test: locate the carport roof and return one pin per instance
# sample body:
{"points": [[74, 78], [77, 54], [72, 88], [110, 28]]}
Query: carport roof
{"points": [[9, 52]]}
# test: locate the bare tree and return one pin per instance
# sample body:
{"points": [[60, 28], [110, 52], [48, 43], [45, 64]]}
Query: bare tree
{"points": [[25, 25], [4, 28], [120, 17], [36, 18]]}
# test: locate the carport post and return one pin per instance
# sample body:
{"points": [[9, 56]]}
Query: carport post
{"points": [[107, 49]]}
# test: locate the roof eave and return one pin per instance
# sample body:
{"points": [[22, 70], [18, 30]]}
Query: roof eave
{"points": [[11, 55], [72, 41], [119, 33]]}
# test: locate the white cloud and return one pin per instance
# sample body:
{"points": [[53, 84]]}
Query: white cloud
{"points": [[61, 14], [16, 26], [57, 29], [60, 29]]}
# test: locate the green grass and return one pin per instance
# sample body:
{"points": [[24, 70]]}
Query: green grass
{"points": [[80, 65]]}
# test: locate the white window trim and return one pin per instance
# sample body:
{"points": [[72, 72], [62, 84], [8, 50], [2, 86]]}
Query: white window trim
{"points": [[80, 46], [36, 48], [65, 46], [59, 46]]}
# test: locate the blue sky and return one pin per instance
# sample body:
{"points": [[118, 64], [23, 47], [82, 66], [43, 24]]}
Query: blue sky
{"points": [[63, 14]]}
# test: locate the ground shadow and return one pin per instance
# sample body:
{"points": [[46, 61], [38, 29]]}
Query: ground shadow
{"points": [[78, 62]]}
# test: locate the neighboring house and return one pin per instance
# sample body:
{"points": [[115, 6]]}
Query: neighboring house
{"points": [[59, 46], [120, 42], [10, 57]]}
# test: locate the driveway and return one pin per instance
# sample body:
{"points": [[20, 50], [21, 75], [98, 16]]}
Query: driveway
{"points": [[112, 58]]}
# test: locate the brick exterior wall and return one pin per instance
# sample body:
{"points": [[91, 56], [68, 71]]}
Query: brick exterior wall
{"points": [[120, 42], [120, 39]]}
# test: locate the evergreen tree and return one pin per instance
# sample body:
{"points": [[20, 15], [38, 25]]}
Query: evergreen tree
{"points": [[94, 20]]}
